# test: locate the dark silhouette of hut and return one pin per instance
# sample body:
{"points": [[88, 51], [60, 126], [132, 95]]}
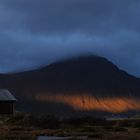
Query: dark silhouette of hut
{"points": [[7, 101]]}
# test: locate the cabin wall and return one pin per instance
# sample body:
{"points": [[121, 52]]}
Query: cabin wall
{"points": [[6, 107]]}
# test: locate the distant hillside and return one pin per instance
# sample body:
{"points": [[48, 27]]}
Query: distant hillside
{"points": [[90, 75]]}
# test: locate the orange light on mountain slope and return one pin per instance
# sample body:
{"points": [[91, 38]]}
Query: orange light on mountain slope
{"points": [[88, 103]]}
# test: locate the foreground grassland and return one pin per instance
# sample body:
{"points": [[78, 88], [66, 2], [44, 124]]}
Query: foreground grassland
{"points": [[28, 127]]}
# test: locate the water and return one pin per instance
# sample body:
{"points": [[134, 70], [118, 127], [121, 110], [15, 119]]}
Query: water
{"points": [[52, 138], [58, 138]]}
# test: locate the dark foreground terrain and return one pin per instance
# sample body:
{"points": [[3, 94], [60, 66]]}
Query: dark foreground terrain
{"points": [[23, 126]]}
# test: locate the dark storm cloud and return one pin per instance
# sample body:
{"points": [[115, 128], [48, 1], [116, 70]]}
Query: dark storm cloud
{"points": [[38, 32], [75, 15]]}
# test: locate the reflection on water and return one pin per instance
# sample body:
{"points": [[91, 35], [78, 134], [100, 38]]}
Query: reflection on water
{"points": [[88, 103]]}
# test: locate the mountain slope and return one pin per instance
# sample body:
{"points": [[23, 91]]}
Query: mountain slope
{"points": [[88, 75]]}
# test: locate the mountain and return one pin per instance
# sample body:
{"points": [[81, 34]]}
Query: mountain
{"points": [[50, 87]]}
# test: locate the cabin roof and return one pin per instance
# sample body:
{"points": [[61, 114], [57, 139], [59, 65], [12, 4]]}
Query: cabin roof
{"points": [[5, 95]]}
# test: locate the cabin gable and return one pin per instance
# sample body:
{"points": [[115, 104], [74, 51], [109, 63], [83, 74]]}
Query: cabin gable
{"points": [[7, 101]]}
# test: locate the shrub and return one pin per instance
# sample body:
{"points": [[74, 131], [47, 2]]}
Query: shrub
{"points": [[119, 129], [88, 129], [48, 121], [96, 136]]}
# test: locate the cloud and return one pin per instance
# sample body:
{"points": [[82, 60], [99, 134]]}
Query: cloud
{"points": [[35, 33]]}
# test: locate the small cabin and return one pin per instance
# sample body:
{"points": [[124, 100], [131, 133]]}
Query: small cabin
{"points": [[7, 101]]}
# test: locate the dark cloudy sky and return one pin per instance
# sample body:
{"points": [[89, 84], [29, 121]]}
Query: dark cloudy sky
{"points": [[38, 32]]}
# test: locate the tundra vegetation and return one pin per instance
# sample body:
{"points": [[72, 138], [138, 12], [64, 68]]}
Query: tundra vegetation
{"points": [[23, 126]]}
